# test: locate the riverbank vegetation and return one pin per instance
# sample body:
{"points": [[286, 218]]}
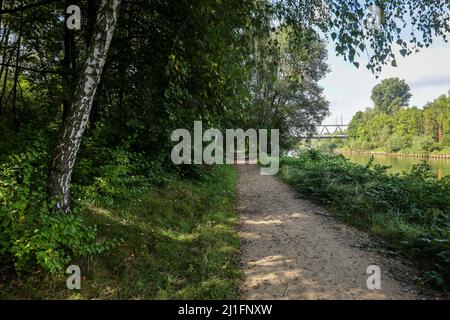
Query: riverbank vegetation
{"points": [[391, 126], [410, 212]]}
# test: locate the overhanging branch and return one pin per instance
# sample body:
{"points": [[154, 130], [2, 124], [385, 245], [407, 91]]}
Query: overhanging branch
{"points": [[28, 6], [33, 69]]}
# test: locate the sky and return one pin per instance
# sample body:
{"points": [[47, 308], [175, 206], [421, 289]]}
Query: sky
{"points": [[348, 89]]}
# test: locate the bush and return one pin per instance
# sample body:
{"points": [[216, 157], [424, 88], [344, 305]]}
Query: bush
{"points": [[328, 147], [422, 144], [360, 144], [396, 142], [115, 174], [30, 233]]}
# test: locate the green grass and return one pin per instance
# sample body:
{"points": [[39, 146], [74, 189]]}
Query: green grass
{"points": [[177, 242]]}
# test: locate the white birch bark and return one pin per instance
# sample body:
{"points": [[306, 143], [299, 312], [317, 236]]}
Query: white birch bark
{"points": [[78, 114]]}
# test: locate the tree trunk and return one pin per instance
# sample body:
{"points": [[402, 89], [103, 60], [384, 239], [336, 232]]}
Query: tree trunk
{"points": [[73, 126], [69, 64], [5, 60], [16, 77], [91, 14]]}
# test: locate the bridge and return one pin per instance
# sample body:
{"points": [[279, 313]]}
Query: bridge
{"points": [[329, 131]]}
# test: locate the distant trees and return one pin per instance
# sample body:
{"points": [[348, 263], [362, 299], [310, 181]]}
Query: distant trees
{"points": [[436, 119], [390, 95], [393, 127]]}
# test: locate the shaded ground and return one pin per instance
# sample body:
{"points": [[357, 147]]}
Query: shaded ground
{"points": [[291, 249]]}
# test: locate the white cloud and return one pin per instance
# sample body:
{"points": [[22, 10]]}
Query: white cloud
{"points": [[421, 68], [348, 89]]}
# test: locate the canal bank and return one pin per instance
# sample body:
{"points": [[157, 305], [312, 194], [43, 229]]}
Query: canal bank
{"points": [[400, 162], [409, 155]]}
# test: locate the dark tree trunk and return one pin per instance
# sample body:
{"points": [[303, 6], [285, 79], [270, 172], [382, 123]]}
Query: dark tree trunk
{"points": [[4, 69], [69, 65], [78, 114], [91, 14], [16, 77], [5, 82]]}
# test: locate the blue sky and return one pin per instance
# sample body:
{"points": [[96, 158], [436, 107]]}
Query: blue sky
{"points": [[348, 89]]}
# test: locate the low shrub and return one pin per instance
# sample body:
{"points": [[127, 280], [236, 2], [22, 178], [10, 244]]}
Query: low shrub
{"points": [[31, 233]]}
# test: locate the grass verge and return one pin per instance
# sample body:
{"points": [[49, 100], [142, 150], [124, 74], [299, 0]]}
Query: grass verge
{"points": [[176, 242]]}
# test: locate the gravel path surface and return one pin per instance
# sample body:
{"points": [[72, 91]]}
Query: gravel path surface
{"points": [[291, 249]]}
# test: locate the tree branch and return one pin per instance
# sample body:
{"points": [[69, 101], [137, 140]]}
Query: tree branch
{"points": [[28, 6], [33, 69]]}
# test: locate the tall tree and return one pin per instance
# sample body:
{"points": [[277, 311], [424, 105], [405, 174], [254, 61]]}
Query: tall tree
{"points": [[74, 124], [390, 95], [286, 93]]}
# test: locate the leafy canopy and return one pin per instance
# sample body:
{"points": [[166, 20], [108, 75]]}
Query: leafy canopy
{"points": [[391, 94]]}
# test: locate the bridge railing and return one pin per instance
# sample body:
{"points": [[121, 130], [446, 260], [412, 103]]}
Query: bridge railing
{"points": [[329, 131]]}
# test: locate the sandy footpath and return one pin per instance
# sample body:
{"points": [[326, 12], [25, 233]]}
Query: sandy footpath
{"points": [[291, 249]]}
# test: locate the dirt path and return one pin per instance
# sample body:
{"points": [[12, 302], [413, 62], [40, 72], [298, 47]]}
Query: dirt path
{"points": [[291, 249]]}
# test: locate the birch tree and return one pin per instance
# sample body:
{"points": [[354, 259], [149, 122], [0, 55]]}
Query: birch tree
{"points": [[74, 123]]}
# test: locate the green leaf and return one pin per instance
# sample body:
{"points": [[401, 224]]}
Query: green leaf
{"points": [[403, 52]]}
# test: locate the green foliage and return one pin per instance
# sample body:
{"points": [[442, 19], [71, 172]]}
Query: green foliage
{"points": [[285, 90], [55, 241], [30, 233], [390, 95], [410, 211], [407, 123], [327, 147], [395, 143], [436, 119], [350, 27], [113, 174], [422, 144]]}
